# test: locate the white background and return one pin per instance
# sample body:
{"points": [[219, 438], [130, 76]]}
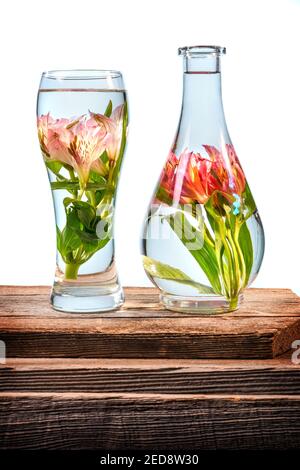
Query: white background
{"points": [[261, 97]]}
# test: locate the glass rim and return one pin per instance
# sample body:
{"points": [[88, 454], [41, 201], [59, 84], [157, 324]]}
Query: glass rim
{"points": [[81, 74], [201, 50]]}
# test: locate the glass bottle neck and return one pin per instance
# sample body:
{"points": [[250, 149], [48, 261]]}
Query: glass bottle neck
{"points": [[202, 115], [202, 94], [210, 63], [202, 85]]}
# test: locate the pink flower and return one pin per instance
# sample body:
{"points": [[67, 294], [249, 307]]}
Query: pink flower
{"points": [[167, 179], [192, 177], [49, 132], [88, 143], [114, 126], [227, 169], [81, 142]]}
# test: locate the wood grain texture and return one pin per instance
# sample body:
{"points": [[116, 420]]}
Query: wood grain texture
{"points": [[163, 376], [148, 421], [134, 379], [264, 327], [143, 301]]}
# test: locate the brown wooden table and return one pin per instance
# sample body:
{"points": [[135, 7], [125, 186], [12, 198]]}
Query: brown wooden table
{"points": [[146, 378]]}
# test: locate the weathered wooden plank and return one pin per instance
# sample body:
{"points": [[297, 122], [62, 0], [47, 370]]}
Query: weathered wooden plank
{"points": [[143, 301], [142, 329], [138, 344], [148, 421], [176, 338], [24, 290], [277, 376]]}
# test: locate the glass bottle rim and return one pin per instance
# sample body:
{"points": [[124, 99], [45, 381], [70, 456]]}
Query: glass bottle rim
{"points": [[201, 51], [81, 74]]}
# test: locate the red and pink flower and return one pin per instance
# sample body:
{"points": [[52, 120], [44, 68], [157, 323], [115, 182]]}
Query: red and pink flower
{"points": [[192, 177]]}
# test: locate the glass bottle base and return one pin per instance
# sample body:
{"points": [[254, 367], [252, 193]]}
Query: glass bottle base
{"points": [[204, 305], [85, 299]]}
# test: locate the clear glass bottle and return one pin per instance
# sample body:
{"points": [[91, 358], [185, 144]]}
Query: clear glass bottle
{"points": [[82, 129], [203, 241]]}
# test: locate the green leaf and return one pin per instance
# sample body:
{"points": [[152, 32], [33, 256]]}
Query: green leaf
{"points": [[76, 203], [218, 204], [85, 212], [122, 145], [96, 178], [205, 256], [78, 241], [108, 110], [69, 240], [104, 157], [245, 243], [68, 200], [91, 249], [58, 239], [211, 221], [54, 166], [99, 196], [249, 202], [87, 237], [67, 167], [82, 220], [165, 271], [87, 216], [73, 219], [163, 196]]}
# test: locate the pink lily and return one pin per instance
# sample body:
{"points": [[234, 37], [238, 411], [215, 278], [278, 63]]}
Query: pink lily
{"points": [[114, 126], [81, 142]]}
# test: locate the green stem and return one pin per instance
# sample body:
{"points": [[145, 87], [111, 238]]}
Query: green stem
{"points": [[71, 271], [81, 192], [73, 178], [240, 255], [224, 281], [208, 236], [72, 174], [236, 260], [234, 303], [91, 197], [228, 255]]}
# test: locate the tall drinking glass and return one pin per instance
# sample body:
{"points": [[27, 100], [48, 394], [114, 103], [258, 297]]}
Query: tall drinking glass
{"points": [[82, 127]]}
